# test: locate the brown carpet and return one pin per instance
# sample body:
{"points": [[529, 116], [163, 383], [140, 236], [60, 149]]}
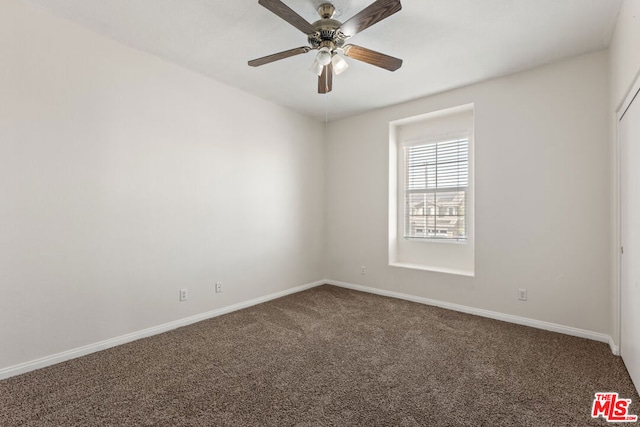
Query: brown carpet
{"points": [[327, 357]]}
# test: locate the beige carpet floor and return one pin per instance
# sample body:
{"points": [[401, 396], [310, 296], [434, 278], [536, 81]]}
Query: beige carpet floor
{"points": [[327, 357]]}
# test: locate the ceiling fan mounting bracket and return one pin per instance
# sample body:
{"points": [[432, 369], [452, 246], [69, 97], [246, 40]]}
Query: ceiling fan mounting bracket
{"points": [[326, 10]]}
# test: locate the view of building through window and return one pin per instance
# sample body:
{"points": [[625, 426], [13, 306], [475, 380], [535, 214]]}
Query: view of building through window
{"points": [[436, 182]]}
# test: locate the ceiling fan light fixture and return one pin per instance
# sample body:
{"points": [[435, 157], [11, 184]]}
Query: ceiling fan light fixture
{"points": [[324, 56], [339, 64], [316, 68]]}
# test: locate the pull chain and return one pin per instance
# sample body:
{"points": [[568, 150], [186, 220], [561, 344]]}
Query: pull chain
{"points": [[326, 108]]}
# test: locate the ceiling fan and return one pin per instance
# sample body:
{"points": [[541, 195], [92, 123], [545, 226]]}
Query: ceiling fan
{"points": [[328, 37]]}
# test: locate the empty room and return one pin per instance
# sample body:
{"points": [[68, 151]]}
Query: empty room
{"points": [[312, 213]]}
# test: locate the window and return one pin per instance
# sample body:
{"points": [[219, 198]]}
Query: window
{"points": [[431, 191], [435, 189]]}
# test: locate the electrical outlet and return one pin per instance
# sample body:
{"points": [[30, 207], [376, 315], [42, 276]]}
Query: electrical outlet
{"points": [[522, 294], [363, 270], [183, 294], [218, 287]]}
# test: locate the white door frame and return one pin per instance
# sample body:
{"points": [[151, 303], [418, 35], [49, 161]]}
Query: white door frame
{"points": [[632, 94]]}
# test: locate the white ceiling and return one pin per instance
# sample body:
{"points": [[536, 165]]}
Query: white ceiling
{"points": [[444, 43]]}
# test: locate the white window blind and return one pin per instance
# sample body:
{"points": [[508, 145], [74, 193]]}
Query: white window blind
{"points": [[435, 189]]}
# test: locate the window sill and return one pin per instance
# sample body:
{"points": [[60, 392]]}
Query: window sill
{"points": [[428, 240], [433, 269]]}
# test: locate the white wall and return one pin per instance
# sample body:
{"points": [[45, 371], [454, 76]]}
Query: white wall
{"points": [[625, 50], [542, 175], [124, 178], [625, 67]]}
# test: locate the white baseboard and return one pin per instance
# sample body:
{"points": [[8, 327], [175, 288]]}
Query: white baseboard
{"points": [[615, 349], [554, 327], [102, 345]]}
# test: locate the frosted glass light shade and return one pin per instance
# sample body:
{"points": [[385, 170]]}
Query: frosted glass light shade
{"points": [[324, 56], [316, 68], [339, 64]]}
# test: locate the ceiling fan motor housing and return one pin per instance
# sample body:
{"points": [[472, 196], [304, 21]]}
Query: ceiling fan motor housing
{"points": [[328, 32]]}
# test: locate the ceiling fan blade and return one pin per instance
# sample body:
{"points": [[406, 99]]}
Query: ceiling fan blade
{"points": [[372, 57], [286, 13], [325, 81], [277, 56], [375, 12]]}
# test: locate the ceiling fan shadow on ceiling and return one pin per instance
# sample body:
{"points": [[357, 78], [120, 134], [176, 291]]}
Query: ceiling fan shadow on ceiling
{"points": [[328, 37]]}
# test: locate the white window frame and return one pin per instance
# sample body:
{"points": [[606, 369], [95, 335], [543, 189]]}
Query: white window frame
{"points": [[403, 168]]}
